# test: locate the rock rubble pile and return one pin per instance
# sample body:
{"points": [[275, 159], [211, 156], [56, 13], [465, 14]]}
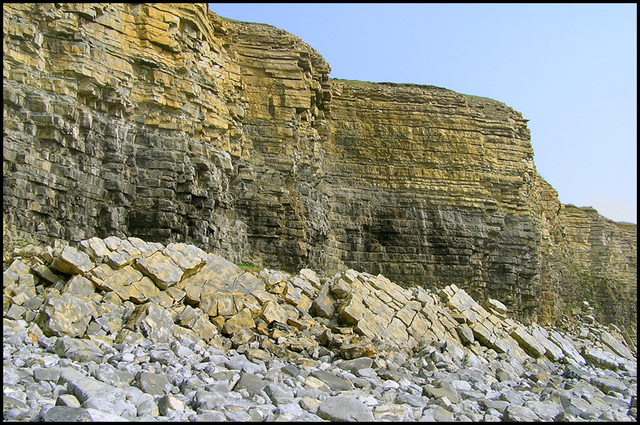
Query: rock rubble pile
{"points": [[127, 330]]}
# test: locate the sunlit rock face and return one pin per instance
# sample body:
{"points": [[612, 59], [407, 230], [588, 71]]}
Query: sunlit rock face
{"points": [[171, 124]]}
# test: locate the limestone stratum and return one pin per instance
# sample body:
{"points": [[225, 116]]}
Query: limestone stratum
{"points": [[142, 140], [123, 329]]}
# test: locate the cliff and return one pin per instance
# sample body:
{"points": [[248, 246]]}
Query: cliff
{"points": [[171, 124]]}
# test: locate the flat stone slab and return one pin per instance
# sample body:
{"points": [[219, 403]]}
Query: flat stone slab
{"points": [[65, 315], [71, 261], [345, 409], [162, 269], [606, 384], [154, 384], [334, 382], [250, 382], [81, 350], [519, 414]]}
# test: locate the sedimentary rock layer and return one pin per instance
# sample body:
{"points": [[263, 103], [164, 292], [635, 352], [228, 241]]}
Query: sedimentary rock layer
{"points": [[171, 124]]}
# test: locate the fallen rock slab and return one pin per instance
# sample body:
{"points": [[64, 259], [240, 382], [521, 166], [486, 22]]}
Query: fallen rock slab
{"points": [[344, 409]]}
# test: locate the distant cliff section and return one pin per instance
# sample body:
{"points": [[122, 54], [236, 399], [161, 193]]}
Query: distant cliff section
{"points": [[169, 123]]}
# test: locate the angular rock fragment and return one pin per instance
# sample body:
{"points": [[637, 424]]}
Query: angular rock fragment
{"points": [[519, 414], [273, 312], [616, 346], [154, 384], [67, 414], [143, 290], [153, 321], [242, 320], [324, 304], [606, 384], [162, 269], [14, 271], [553, 352], [344, 409], [188, 257], [250, 382], [567, 347], [351, 311], [168, 403], [65, 315], [79, 286], [145, 249], [496, 307], [528, 343], [81, 350], [357, 349], [68, 400], [95, 248], [71, 261], [601, 358], [334, 382]]}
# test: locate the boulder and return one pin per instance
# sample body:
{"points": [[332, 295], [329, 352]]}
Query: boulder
{"points": [[188, 257], [95, 248], [527, 342], [606, 384], [324, 304], [273, 312], [515, 413], [545, 410], [79, 286], [154, 383], [465, 333], [217, 303], [120, 281], [65, 315], [236, 323], [496, 307], [601, 358], [334, 382], [357, 349], [351, 310], [553, 352], [81, 350], [168, 403], [153, 321], [162, 269], [344, 409], [69, 414], [567, 347], [616, 346], [71, 261], [250, 382], [204, 328]]}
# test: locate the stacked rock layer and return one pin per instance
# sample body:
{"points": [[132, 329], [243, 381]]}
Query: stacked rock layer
{"points": [[126, 329], [173, 125]]}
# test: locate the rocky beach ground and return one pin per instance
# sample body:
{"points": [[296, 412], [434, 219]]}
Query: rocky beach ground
{"points": [[126, 330]]}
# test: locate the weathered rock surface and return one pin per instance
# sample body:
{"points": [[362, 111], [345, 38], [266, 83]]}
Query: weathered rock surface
{"points": [[168, 123], [394, 354]]}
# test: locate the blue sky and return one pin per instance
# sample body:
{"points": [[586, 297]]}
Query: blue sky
{"points": [[571, 69]]}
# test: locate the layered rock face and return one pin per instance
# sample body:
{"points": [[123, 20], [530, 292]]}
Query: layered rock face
{"points": [[586, 257], [120, 119], [434, 189], [168, 123]]}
